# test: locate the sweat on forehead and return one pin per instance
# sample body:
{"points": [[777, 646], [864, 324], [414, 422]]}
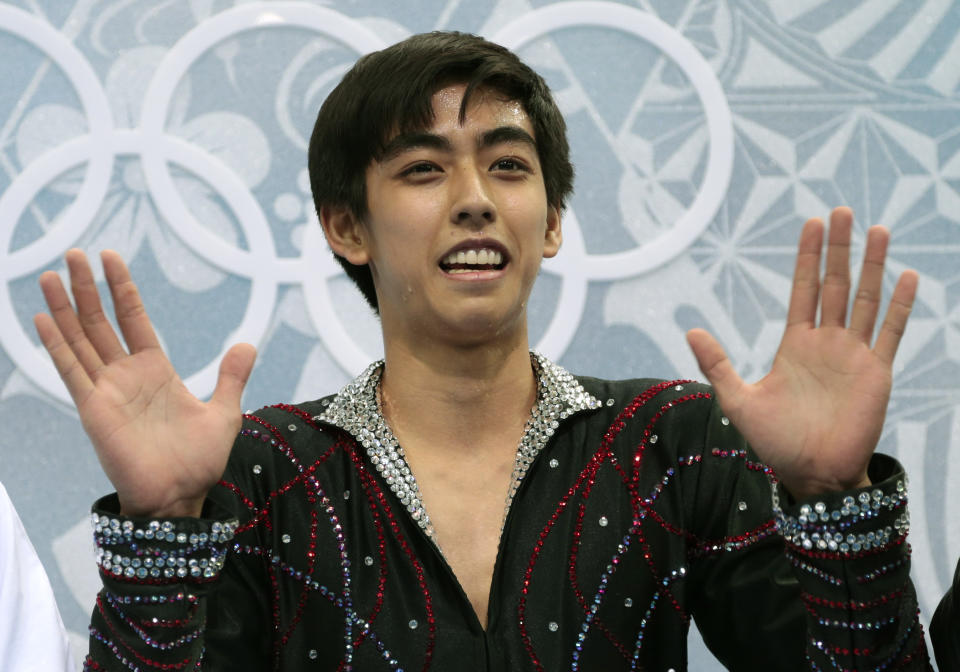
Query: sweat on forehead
{"points": [[509, 122], [456, 97]]}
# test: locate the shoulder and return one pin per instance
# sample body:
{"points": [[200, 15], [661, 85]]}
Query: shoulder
{"points": [[304, 409], [676, 415], [623, 406], [280, 439], [647, 397], [671, 441], [294, 425], [680, 417]]}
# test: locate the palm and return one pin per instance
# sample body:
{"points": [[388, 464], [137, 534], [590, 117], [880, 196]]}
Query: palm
{"points": [[127, 417], [161, 447], [817, 416], [830, 377]]}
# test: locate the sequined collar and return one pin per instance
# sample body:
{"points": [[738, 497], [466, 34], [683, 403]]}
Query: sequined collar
{"points": [[355, 409]]}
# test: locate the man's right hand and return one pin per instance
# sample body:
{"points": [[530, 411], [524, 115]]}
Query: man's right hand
{"points": [[162, 448]]}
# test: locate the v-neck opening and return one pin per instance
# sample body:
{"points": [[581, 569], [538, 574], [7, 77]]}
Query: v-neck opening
{"points": [[356, 410]]}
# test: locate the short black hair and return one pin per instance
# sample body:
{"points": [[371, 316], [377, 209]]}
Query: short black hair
{"points": [[390, 91]]}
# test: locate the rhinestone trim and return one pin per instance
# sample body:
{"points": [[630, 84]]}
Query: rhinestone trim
{"points": [[841, 530], [159, 549], [355, 410]]}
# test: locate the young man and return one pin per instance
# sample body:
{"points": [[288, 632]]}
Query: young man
{"points": [[467, 504]]}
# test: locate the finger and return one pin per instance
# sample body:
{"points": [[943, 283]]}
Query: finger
{"points": [[888, 340], [716, 366], [836, 277], [89, 309], [67, 325], [234, 372], [867, 301], [805, 291], [131, 315], [64, 359]]}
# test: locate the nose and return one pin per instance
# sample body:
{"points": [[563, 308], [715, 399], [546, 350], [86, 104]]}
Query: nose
{"points": [[472, 204]]}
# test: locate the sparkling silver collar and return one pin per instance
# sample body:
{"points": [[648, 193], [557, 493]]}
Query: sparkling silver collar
{"points": [[355, 409]]}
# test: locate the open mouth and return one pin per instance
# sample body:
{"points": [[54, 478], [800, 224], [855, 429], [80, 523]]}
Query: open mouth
{"points": [[473, 260]]}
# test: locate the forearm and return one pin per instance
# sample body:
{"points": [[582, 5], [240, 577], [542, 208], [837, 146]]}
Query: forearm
{"points": [[157, 577], [805, 600], [849, 554]]}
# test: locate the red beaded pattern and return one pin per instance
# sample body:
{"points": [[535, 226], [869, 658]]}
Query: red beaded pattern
{"points": [[642, 505]]}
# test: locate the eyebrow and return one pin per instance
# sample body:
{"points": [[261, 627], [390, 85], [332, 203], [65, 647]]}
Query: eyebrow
{"points": [[506, 134], [405, 142]]}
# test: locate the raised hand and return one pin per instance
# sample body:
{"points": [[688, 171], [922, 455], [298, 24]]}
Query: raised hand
{"points": [[817, 416], [161, 447]]}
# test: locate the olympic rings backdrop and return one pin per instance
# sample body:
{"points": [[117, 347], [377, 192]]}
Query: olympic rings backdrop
{"points": [[703, 131]]}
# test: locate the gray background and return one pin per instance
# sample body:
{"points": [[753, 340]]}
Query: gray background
{"points": [[175, 132]]}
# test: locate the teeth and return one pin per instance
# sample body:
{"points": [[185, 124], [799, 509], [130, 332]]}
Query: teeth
{"points": [[482, 257]]}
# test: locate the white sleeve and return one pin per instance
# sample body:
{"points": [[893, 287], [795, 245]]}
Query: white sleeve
{"points": [[32, 636]]}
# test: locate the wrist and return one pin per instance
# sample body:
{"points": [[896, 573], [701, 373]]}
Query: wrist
{"points": [[180, 509], [811, 489]]}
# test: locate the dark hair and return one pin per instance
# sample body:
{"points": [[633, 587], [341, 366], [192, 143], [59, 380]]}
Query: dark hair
{"points": [[389, 92]]}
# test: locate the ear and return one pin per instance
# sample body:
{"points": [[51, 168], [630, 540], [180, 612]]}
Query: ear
{"points": [[553, 237], [345, 234]]}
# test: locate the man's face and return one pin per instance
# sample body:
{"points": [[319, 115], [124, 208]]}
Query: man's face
{"points": [[458, 221]]}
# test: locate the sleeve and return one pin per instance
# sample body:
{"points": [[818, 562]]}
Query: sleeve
{"points": [[813, 585], [32, 636], [850, 556], [173, 595], [945, 627]]}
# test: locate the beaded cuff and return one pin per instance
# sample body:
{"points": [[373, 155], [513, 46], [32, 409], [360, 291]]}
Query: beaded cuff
{"points": [[846, 524], [160, 551]]}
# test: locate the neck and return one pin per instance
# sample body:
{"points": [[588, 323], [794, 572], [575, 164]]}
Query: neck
{"points": [[448, 395]]}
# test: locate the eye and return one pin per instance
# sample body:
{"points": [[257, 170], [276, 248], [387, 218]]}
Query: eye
{"points": [[419, 169], [510, 165]]}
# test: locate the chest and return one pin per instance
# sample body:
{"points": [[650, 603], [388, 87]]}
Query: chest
{"points": [[467, 501], [532, 601]]}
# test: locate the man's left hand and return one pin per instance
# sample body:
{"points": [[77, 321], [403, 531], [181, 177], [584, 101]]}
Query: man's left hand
{"points": [[816, 417]]}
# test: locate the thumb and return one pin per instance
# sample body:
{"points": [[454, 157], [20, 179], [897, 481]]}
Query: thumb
{"points": [[235, 370], [715, 365]]}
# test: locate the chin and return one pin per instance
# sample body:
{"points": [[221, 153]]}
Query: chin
{"points": [[480, 327]]}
